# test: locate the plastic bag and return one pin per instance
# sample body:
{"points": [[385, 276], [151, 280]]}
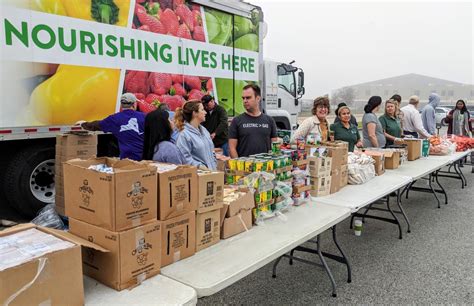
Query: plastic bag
{"points": [[48, 217]]}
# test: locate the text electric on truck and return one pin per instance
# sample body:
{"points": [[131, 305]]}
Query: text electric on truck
{"points": [[69, 60]]}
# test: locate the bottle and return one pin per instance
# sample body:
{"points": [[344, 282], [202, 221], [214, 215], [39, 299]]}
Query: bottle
{"points": [[358, 227]]}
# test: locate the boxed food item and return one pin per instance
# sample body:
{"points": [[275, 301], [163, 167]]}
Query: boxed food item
{"points": [[177, 190], [319, 166], [40, 266], [379, 158], [122, 197], [414, 147], [76, 139], [210, 194], [69, 152], [392, 159], [335, 180], [207, 229], [320, 186], [344, 175], [126, 258], [237, 224], [178, 238]]}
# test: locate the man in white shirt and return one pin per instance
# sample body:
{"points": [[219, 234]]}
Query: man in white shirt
{"points": [[412, 123]]}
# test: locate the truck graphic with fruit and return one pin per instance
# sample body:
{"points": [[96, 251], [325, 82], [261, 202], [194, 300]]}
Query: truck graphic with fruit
{"points": [[69, 60]]}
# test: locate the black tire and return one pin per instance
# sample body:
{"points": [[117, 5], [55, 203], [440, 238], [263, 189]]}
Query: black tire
{"points": [[17, 179], [443, 122]]}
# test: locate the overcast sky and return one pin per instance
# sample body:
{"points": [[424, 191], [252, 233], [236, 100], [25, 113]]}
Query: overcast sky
{"points": [[345, 43]]}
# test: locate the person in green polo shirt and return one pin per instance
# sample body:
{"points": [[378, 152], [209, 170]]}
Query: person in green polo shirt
{"points": [[346, 131], [390, 122]]}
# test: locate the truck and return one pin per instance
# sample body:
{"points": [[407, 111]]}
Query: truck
{"points": [[64, 61]]}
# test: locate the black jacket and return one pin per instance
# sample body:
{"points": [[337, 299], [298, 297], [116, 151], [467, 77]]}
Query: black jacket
{"points": [[216, 122]]}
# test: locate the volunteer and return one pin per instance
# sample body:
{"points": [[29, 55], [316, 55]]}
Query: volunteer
{"points": [[390, 122], [337, 119], [412, 123], [345, 130], [399, 113], [458, 120], [216, 123], [253, 131], [157, 144], [194, 141], [317, 124], [371, 127], [428, 114], [127, 126]]}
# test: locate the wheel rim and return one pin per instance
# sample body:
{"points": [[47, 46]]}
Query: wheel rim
{"points": [[42, 182]]}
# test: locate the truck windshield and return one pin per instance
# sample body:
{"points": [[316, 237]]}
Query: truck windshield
{"points": [[286, 80]]}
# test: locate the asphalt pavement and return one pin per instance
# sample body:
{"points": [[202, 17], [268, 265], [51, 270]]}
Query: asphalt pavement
{"points": [[434, 264]]}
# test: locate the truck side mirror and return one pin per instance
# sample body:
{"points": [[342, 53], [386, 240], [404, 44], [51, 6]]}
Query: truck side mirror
{"points": [[301, 89]]}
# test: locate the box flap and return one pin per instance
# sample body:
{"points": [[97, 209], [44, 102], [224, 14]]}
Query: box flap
{"points": [[388, 154], [75, 239], [16, 229]]}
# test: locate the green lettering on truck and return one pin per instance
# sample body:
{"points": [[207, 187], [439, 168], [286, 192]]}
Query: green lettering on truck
{"points": [[109, 41], [124, 47], [166, 57], [22, 36], [62, 43], [38, 42], [87, 39]]}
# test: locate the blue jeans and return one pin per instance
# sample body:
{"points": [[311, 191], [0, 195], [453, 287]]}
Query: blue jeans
{"points": [[225, 149]]}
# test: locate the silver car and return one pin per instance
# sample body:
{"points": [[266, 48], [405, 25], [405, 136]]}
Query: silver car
{"points": [[441, 113]]}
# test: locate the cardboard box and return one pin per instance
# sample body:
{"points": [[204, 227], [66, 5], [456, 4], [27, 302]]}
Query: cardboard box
{"points": [[339, 156], [320, 186], [115, 201], [208, 229], [335, 180], [53, 278], [414, 147], [130, 256], [237, 201], [392, 159], [319, 166], [60, 204], [344, 175], [379, 158], [221, 165], [178, 238], [210, 194], [177, 191], [77, 139], [237, 224], [69, 152]]}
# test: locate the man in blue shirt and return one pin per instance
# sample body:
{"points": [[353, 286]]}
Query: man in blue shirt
{"points": [[127, 126]]}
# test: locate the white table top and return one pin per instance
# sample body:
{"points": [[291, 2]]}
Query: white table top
{"points": [[453, 157], [158, 290], [421, 167], [221, 265], [355, 197]]}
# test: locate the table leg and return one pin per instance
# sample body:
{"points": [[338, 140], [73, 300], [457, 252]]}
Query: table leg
{"points": [[326, 267], [274, 274], [399, 203], [433, 191], [400, 236], [442, 188], [346, 260], [462, 176]]}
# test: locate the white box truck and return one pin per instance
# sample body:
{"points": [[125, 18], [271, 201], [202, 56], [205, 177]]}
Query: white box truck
{"points": [[63, 61]]}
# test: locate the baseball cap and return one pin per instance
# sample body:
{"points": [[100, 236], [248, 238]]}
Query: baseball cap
{"points": [[206, 99], [128, 98]]}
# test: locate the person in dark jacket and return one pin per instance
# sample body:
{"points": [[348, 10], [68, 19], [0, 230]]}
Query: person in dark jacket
{"points": [[459, 120], [216, 123]]}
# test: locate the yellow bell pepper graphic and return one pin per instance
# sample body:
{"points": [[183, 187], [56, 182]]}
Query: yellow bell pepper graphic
{"points": [[106, 11], [75, 93], [55, 7]]}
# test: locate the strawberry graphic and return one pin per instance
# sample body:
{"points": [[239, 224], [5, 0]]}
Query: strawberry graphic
{"points": [[173, 101], [164, 4], [153, 99], [199, 34], [176, 3], [183, 32], [169, 19], [185, 15], [145, 28], [193, 82], [136, 81], [197, 18], [145, 107], [160, 83], [177, 78], [177, 89], [153, 24], [195, 94], [209, 86], [139, 95], [195, 7]]}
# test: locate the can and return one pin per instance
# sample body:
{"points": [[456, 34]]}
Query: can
{"points": [[258, 165], [269, 164], [240, 164], [232, 164], [237, 178], [229, 179], [257, 198], [269, 194], [276, 147]]}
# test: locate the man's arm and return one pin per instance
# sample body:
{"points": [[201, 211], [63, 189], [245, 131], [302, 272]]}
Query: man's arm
{"points": [[233, 148], [91, 126], [417, 122]]}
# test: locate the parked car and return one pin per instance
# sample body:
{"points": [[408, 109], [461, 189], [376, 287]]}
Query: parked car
{"points": [[470, 108], [441, 113]]}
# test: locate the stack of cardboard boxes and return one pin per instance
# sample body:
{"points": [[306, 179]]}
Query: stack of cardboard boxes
{"points": [[114, 208], [320, 175], [177, 204], [210, 202], [69, 146], [338, 151]]}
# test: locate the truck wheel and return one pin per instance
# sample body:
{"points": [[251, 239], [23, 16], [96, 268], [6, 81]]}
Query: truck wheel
{"points": [[443, 122], [29, 180]]}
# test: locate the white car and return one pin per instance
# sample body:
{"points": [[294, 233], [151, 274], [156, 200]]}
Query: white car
{"points": [[441, 113]]}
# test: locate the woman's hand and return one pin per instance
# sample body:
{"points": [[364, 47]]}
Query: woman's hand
{"points": [[359, 144]]}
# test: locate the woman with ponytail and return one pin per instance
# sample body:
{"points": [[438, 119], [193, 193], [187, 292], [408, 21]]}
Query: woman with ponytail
{"points": [[371, 127], [194, 141]]}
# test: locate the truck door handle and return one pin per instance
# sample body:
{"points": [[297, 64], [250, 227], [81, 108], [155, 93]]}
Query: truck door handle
{"points": [[279, 102]]}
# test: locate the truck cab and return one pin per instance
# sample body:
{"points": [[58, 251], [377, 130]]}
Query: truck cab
{"points": [[283, 87]]}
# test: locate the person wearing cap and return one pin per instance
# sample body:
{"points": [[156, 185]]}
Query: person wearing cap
{"points": [[127, 126], [371, 127], [353, 119], [216, 123]]}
